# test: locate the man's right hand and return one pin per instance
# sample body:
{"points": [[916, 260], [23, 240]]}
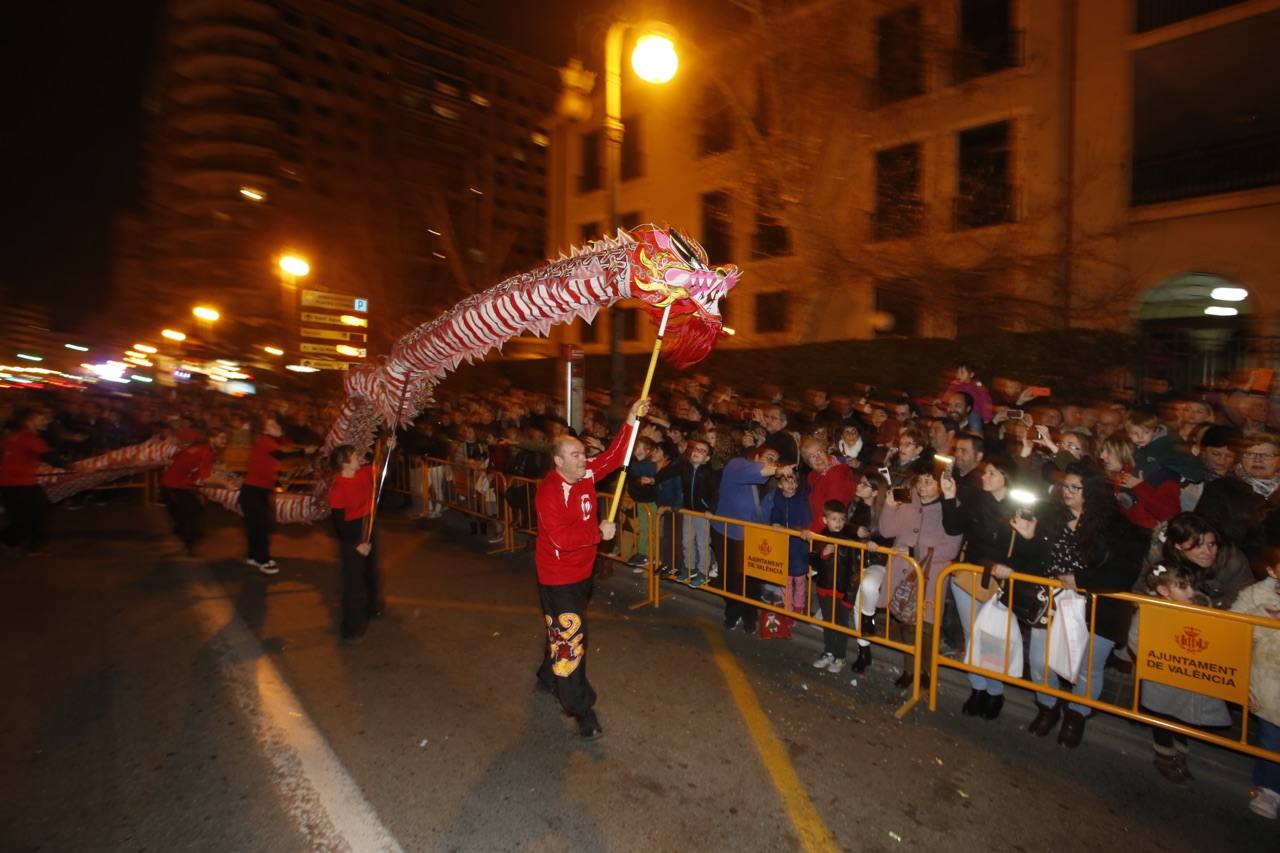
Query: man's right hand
{"points": [[607, 529]]}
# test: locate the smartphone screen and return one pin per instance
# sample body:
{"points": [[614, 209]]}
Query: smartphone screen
{"points": [[902, 495], [1014, 414]]}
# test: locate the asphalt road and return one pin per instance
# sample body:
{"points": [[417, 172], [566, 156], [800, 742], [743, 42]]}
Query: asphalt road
{"points": [[158, 702]]}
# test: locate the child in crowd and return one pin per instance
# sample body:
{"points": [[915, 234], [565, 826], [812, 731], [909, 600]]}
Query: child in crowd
{"points": [[700, 486], [640, 487], [864, 519], [789, 508], [669, 498], [834, 570], [1263, 599], [1175, 582], [351, 501]]}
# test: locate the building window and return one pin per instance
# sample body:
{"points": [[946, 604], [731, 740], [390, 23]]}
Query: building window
{"points": [[762, 117], [899, 309], [771, 311], [632, 163], [631, 219], [898, 205], [587, 333], [629, 323], [717, 227], [770, 238], [988, 42], [589, 171], [1160, 13], [899, 55], [984, 190], [588, 231], [715, 124]]}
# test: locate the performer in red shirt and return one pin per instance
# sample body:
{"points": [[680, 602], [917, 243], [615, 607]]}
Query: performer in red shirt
{"points": [[21, 453], [351, 500], [256, 491], [568, 533], [191, 466]]}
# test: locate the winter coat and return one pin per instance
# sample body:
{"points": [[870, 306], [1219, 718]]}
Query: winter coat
{"points": [[1220, 583], [1112, 565], [835, 483], [835, 572], [793, 514], [700, 486], [1263, 599], [984, 524], [916, 528], [1162, 459]]}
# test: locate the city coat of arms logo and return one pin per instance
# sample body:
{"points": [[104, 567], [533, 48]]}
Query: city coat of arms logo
{"points": [[1191, 640]]}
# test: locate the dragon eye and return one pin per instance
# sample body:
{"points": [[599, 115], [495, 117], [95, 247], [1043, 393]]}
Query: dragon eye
{"points": [[686, 251]]}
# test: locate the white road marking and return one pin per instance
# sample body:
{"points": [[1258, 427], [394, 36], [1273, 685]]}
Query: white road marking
{"points": [[315, 789]]}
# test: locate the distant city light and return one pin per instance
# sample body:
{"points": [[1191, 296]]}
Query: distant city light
{"points": [[433, 232], [301, 368], [147, 348], [228, 363], [539, 139], [476, 190], [237, 375], [25, 357], [439, 255], [173, 335], [137, 377], [1221, 311], [273, 350], [295, 266], [1229, 294], [479, 100], [253, 194], [654, 58], [204, 312], [348, 320], [76, 347], [134, 354], [347, 349]]}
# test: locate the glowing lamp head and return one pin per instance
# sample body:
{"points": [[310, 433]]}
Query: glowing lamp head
{"points": [[273, 350], [654, 58], [173, 335], [295, 266], [204, 312], [147, 348]]}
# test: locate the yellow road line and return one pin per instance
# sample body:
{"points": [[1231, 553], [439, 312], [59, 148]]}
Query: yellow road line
{"points": [[809, 828]]}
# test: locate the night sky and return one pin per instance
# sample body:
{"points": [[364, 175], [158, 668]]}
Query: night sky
{"points": [[76, 72]]}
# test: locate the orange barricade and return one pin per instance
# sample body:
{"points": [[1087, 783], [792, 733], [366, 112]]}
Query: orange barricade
{"points": [[1198, 649]]}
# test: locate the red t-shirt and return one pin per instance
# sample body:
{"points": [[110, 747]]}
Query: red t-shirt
{"points": [[354, 494], [263, 468], [192, 464], [568, 530], [20, 458]]}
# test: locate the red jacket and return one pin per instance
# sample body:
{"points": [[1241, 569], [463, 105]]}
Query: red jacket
{"points": [[264, 462], [354, 494], [20, 454], [192, 464], [568, 530], [834, 484]]}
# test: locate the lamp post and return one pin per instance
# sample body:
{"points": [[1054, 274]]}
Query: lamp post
{"points": [[655, 61], [292, 267]]}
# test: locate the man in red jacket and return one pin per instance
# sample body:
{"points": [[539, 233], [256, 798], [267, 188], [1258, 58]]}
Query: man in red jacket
{"points": [[22, 451], [568, 533]]}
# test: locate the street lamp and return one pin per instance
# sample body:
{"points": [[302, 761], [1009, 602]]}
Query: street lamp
{"points": [[655, 61], [295, 266], [206, 314], [173, 335]]}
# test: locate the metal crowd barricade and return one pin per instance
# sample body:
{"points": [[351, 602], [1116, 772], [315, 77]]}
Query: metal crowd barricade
{"points": [[471, 491], [766, 550], [1181, 645]]}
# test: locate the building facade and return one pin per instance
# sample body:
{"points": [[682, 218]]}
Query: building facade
{"points": [[402, 155], [953, 167]]}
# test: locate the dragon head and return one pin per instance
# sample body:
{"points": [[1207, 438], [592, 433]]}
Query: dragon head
{"points": [[671, 269]]}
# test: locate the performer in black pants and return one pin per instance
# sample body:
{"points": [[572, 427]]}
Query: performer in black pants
{"points": [[256, 491], [351, 498]]}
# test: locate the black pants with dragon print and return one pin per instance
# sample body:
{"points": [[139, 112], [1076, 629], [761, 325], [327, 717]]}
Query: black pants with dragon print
{"points": [[564, 657]]}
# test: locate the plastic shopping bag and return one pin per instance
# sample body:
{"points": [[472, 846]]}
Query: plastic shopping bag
{"points": [[1068, 635], [993, 631]]}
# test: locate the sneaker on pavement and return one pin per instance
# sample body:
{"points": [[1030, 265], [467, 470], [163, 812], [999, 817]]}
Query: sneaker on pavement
{"points": [[836, 665], [637, 560], [269, 568], [714, 573], [1265, 802], [697, 581], [825, 661]]}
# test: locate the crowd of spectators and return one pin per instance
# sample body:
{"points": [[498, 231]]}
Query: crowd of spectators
{"points": [[1179, 499]]}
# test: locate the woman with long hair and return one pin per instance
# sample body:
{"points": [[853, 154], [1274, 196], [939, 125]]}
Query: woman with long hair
{"points": [[1092, 549], [864, 520]]}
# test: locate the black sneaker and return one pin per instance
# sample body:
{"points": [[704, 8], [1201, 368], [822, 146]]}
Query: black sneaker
{"points": [[589, 726]]}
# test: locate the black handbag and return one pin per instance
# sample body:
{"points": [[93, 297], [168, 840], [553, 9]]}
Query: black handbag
{"points": [[1031, 602]]}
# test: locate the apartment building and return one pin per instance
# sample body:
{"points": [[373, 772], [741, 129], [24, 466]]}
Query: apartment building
{"points": [[953, 167], [397, 151]]}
